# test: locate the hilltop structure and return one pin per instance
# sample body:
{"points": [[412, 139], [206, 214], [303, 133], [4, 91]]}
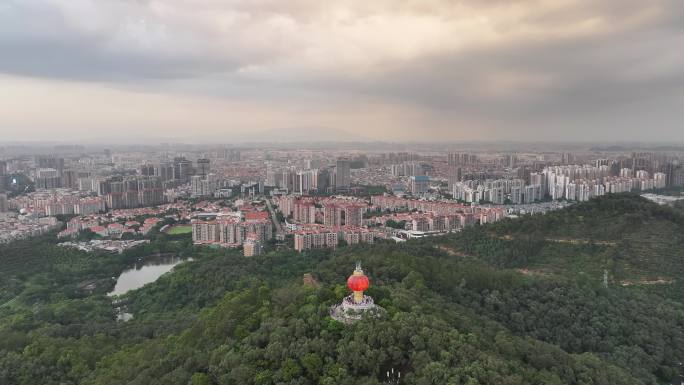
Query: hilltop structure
{"points": [[356, 305]]}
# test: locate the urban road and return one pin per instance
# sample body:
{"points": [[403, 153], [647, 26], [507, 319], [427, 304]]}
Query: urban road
{"points": [[280, 233]]}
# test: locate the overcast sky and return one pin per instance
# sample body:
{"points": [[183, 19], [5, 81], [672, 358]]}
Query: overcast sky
{"points": [[377, 69]]}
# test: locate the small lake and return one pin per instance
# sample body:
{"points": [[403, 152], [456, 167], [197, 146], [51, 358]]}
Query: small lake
{"points": [[143, 273]]}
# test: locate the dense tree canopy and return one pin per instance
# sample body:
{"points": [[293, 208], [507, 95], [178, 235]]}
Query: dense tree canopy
{"points": [[518, 302]]}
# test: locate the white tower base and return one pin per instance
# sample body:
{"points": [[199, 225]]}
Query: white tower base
{"points": [[349, 311]]}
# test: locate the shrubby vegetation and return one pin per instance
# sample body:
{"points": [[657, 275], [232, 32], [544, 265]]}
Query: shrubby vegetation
{"points": [[518, 302]]}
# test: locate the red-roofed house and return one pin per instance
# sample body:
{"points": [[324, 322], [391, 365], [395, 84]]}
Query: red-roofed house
{"points": [[256, 215], [100, 230], [115, 229]]}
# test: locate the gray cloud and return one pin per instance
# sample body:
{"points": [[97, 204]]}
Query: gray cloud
{"points": [[523, 69]]}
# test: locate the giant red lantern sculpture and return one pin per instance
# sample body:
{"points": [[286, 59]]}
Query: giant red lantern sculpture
{"points": [[356, 305], [358, 283]]}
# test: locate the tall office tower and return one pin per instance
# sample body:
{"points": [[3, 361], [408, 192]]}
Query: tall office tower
{"points": [[3, 203], [461, 159], [343, 175], [182, 169], [203, 166], [163, 171]]}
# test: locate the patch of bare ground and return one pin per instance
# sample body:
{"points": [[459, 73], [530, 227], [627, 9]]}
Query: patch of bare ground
{"points": [[658, 281], [452, 251], [533, 273]]}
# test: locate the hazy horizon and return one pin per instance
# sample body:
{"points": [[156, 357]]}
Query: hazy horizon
{"points": [[405, 72]]}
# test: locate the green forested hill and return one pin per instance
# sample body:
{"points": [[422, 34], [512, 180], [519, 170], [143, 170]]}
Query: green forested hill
{"points": [[520, 302], [637, 241]]}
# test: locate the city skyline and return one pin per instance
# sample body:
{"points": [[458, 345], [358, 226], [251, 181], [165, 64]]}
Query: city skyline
{"points": [[387, 71]]}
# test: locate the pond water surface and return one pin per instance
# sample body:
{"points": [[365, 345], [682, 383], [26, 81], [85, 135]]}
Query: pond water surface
{"points": [[143, 273]]}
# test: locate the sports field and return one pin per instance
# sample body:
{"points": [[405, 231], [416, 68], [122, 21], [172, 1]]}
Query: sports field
{"points": [[175, 230]]}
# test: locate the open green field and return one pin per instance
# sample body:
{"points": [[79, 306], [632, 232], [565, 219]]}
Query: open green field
{"points": [[176, 230]]}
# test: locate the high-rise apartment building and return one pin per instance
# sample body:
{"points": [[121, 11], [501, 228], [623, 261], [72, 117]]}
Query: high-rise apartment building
{"points": [[4, 206], [454, 176], [342, 175], [343, 215], [306, 181], [420, 184], [204, 185], [461, 159], [182, 169], [231, 231], [164, 171], [47, 178], [50, 162], [131, 192], [3, 173], [252, 246], [203, 167]]}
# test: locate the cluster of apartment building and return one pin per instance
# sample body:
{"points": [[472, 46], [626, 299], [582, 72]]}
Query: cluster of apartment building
{"points": [[570, 182], [129, 192], [407, 169], [107, 227], [325, 221], [204, 185], [58, 201], [494, 191], [433, 216], [330, 211], [232, 229], [317, 236], [13, 226], [311, 179], [581, 183]]}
